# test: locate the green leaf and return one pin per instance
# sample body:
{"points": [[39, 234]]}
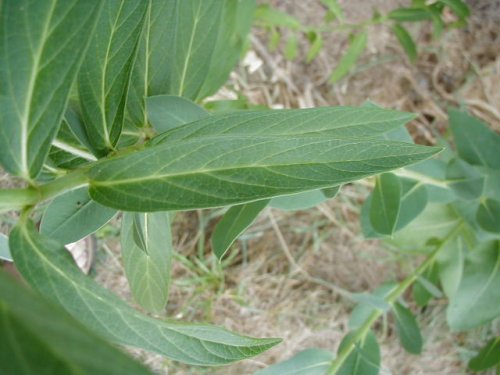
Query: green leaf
{"points": [[488, 215], [406, 41], [335, 8], [41, 338], [148, 261], [4, 248], [451, 260], [464, 179], [299, 201], [338, 122], [41, 48], [367, 306], [236, 220], [166, 112], [316, 41], [487, 357], [229, 170], [425, 287], [331, 192], [265, 15], [306, 362], [73, 216], [409, 15], [458, 7], [476, 300], [291, 47], [346, 63], [385, 203], [49, 268], [475, 142], [408, 329], [413, 202], [364, 359], [105, 73]]}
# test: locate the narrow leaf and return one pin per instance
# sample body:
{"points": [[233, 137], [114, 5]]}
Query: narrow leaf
{"points": [[408, 329], [236, 220], [476, 300], [406, 41], [385, 203], [218, 171], [316, 41], [42, 44], [4, 248], [338, 122], [291, 47], [488, 215], [364, 359], [306, 362], [409, 14], [458, 7], [49, 268], [73, 216], [41, 338], [166, 112], [147, 263], [350, 58], [487, 357], [425, 287], [105, 73]]}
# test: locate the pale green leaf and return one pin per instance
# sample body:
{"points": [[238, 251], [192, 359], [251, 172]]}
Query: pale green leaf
{"points": [[42, 44], [291, 47], [147, 263], [451, 260], [408, 329], [225, 170], [338, 122], [235, 221], [316, 41], [466, 181], [166, 112], [49, 268], [306, 362], [487, 357], [364, 359], [266, 15], [39, 338], [351, 56], [299, 201], [105, 73], [73, 216], [4, 248], [476, 301], [424, 289], [385, 203], [366, 306]]}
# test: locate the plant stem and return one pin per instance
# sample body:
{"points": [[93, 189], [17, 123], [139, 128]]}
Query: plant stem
{"points": [[391, 298]]}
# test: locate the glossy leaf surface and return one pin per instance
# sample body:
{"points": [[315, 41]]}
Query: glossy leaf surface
{"points": [[39, 338], [105, 73], [148, 261], [42, 44], [49, 268], [73, 216]]}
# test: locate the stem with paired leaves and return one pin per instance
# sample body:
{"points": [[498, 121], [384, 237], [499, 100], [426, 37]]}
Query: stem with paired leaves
{"points": [[391, 298]]}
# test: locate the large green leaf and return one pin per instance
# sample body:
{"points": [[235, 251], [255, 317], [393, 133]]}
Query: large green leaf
{"points": [[148, 261], [475, 142], [408, 329], [235, 221], [49, 268], [42, 44], [385, 203], [306, 362], [105, 73], [73, 215], [224, 170], [476, 300], [365, 357], [338, 122], [39, 338]]}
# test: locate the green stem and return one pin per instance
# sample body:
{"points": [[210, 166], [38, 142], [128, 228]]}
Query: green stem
{"points": [[391, 298]]}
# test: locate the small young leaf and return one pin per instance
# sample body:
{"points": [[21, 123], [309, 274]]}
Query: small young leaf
{"points": [[166, 112], [73, 216], [291, 47], [487, 357], [488, 215], [385, 203], [476, 300], [334, 8], [104, 77], [408, 329], [49, 268], [42, 44], [41, 338], [147, 256], [316, 41], [236, 220], [364, 359], [268, 16], [306, 362], [458, 7], [346, 63], [4, 248], [409, 15], [406, 41]]}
